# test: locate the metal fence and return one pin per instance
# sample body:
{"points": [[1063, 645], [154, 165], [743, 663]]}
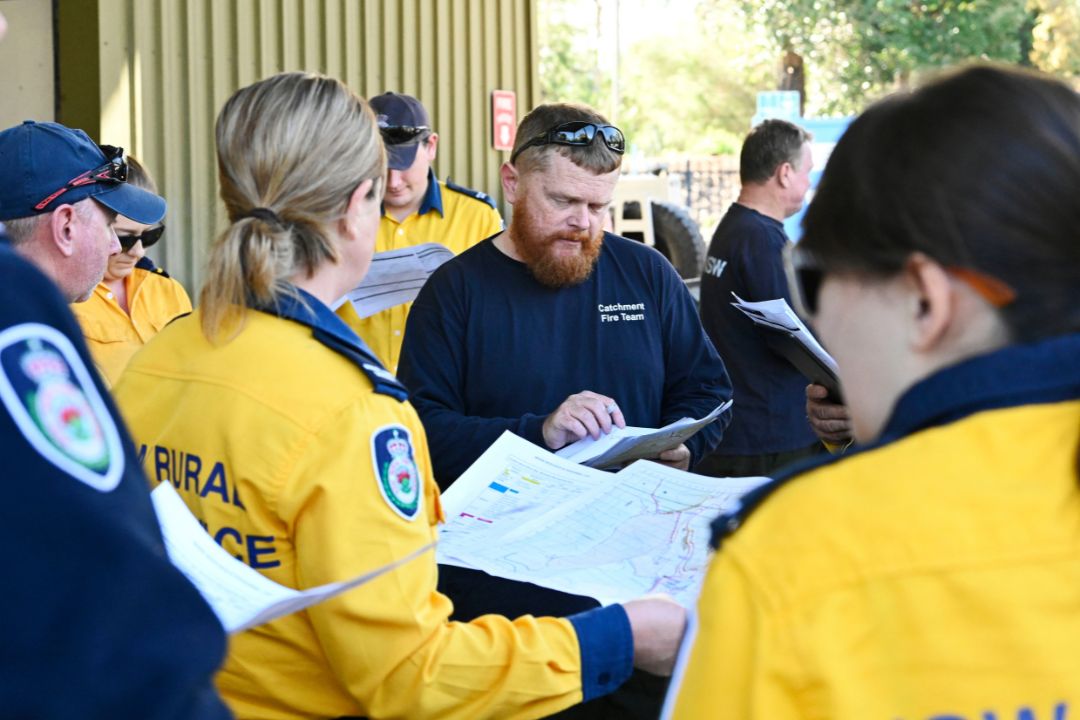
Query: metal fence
{"points": [[706, 185]]}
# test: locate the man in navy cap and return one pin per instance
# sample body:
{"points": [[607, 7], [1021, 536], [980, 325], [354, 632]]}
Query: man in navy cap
{"points": [[417, 209], [96, 621], [59, 198]]}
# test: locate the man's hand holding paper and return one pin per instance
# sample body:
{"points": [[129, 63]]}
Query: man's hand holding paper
{"points": [[583, 414], [677, 457], [624, 444]]}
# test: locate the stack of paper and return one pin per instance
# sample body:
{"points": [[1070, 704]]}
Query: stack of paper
{"points": [[240, 596], [395, 277], [522, 513], [624, 445], [787, 335]]}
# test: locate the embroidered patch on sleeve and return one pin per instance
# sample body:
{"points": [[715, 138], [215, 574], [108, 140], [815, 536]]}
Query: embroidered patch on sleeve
{"points": [[51, 396], [396, 471]]}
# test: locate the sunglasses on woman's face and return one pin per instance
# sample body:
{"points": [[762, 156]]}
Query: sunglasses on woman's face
{"points": [[805, 278], [148, 238]]}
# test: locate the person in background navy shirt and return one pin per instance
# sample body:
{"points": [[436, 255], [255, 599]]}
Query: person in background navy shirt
{"points": [[769, 428], [96, 622], [555, 330]]}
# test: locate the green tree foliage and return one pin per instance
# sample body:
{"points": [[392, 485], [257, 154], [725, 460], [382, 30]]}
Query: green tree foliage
{"points": [[857, 50], [569, 58], [691, 87], [684, 88], [693, 91]]}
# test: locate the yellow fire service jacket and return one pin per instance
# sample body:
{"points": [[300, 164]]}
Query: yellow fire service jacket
{"points": [[932, 576], [113, 336], [450, 215], [300, 455]]}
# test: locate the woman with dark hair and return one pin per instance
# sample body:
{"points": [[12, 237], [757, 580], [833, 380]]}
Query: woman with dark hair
{"points": [[934, 571]]}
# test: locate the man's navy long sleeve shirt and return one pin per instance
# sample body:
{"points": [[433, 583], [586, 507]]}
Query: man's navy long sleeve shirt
{"points": [[488, 349]]}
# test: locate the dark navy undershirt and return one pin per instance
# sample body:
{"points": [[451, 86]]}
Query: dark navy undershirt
{"points": [[745, 257]]}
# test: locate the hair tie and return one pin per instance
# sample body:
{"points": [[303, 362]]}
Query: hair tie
{"points": [[265, 214]]}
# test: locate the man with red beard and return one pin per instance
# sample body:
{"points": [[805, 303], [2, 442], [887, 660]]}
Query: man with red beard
{"points": [[555, 330]]}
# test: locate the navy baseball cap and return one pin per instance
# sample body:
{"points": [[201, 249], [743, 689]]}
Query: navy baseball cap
{"points": [[404, 124], [39, 161]]}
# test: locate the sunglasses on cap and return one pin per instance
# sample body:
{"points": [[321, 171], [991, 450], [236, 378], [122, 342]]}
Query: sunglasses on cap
{"points": [[805, 278], [402, 134], [577, 134], [114, 171], [148, 238]]}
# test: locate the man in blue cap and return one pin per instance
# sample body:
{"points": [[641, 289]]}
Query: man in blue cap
{"points": [[59, 199], [417, 209], [96, 621]]}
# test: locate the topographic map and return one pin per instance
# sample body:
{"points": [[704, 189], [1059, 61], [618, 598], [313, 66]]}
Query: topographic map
{"points": [[524, 514]]}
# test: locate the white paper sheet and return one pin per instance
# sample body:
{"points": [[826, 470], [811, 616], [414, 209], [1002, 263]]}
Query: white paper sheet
{"points": [[778, 314], [624, 445], [240, 596], [395, 277], [522, 513]]}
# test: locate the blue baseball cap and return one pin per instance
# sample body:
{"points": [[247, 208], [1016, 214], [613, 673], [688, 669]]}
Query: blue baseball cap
{"points": [[38, 160], [404, 124]]}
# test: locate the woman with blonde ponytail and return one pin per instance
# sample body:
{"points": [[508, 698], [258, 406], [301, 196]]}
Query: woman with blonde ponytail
{"points": [[301, 456]]}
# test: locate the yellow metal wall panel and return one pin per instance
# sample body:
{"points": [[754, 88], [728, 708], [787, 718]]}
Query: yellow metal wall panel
{"points": [[159, 71], [27, 80]]}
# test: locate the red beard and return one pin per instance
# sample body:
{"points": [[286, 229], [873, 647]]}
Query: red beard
{"points": [[535, 246]]}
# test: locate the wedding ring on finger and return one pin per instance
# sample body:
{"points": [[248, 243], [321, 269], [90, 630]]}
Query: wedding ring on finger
{"points": [[611, 408]]}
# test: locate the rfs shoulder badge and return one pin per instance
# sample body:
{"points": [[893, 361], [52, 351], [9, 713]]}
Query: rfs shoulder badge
{"points": [[396, 471], [53, 400]]}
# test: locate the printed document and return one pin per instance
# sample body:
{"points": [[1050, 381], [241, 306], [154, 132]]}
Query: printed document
{"points": [[395, 277], [240, 596], [788, 336], [523, 513], [624, 445]]}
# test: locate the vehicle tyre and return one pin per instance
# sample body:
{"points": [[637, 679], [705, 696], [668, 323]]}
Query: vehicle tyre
{"points": [[678, 238]]}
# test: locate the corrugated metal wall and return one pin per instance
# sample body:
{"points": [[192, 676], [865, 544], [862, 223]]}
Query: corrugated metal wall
{"points": [[163, 68]]}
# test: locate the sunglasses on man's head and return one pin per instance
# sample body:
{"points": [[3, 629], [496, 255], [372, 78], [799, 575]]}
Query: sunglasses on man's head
{"points": [[114, 171], [148, 238], [402, 134], [577, 134]]}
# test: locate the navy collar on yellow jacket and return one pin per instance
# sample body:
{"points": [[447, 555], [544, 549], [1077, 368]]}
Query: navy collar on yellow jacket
{"points": [[145, 263], [432, 197], [332, 332], [1042, 372]]}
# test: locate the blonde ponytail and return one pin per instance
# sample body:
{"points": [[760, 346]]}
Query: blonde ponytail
{"points": [[291, 150]]}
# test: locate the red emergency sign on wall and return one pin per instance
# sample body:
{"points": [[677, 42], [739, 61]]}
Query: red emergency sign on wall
{"points": [[503, 119]]}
